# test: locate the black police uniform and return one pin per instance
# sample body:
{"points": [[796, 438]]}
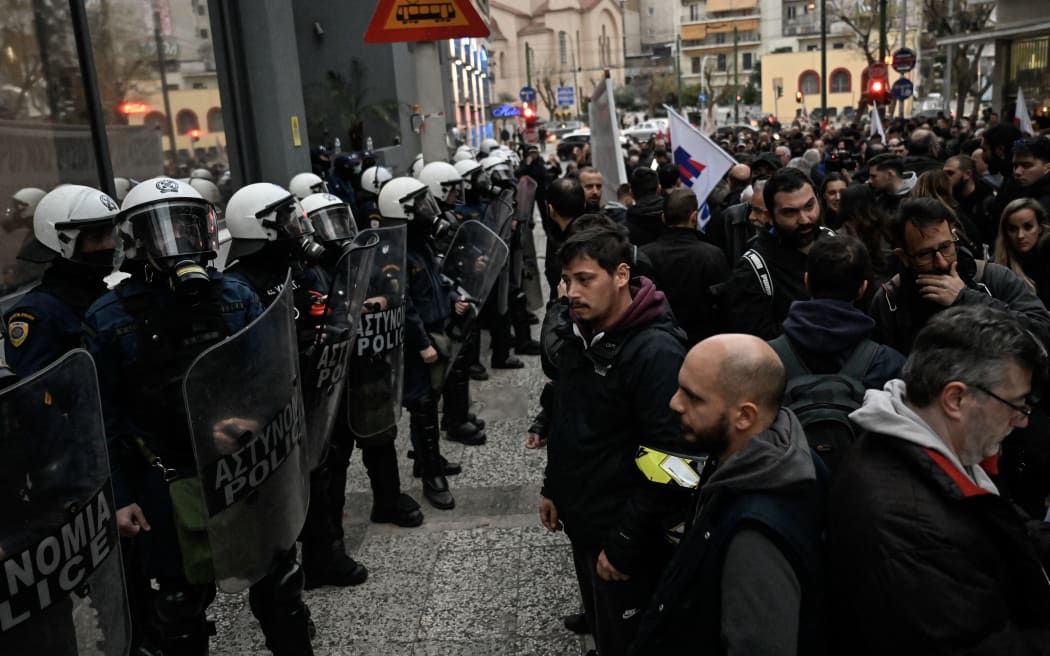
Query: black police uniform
{"points": [[144, 338]]}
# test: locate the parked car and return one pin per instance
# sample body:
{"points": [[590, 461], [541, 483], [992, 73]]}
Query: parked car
{"points": [[558, 129], [583, 136], [645, 130]]}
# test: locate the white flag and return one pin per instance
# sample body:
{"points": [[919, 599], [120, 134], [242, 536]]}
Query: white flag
{"points": [[701, 163], [1022, 121], [876, 124]]}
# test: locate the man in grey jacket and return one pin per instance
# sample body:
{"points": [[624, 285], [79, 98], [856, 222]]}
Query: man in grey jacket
{"points": [[755, 543]]}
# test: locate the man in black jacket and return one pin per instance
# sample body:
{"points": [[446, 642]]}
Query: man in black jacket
{"points": [[612, 350], [565, 202], [972, 193], [684, 266], [926, 556], [644, 218], [1031, 174], [755, 543], [936, 274], [770, 276]]}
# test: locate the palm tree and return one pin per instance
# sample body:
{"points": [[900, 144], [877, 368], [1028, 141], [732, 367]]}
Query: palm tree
{"points": [[341, 105]]}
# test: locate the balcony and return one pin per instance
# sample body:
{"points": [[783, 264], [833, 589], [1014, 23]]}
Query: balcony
{"points": [[801, 26]]}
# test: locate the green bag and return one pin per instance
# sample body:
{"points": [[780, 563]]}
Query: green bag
{"points": [[191, 527]]}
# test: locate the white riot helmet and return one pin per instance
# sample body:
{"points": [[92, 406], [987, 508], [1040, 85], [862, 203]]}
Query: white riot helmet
{"points": [[444, 181], [23, 203], [60, 219], [207, 190], [331, 218], [409, 199], [468, 169], [169, 224], [305, 184], [264, 212], [462, 155], [487, 146], [374, 177], [122, 186], [202, 174], [417, 165], [498, 168]]}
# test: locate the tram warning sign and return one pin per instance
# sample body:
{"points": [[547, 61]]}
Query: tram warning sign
{"points": [[420, 20]]}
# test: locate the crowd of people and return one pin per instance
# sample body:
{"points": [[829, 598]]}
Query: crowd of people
{"points": [[805, 416]]}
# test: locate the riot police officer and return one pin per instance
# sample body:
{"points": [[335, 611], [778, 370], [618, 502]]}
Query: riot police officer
{"points": [[346, 170], [73, 233], [430, 303], [372, 180], [307, 183], [270, 236], [446, 187], [370, 419], [144, 336]]}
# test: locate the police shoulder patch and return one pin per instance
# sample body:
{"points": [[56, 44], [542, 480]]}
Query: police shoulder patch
{"points": [[17, 331]]}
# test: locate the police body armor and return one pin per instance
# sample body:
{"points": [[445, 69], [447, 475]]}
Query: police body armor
{"points": [[247, 422], [377, 361], [472, 266], [325, 361], [62, 592], [525, 198]]}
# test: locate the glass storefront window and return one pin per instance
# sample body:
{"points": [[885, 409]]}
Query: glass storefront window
{"points": [[172, 128], [44, 136], [1030, 68]]}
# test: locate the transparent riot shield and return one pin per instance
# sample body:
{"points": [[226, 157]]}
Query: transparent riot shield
{"points": [[499, 215], [524, 200], [247, 421], [325, 363], [63, 586], [472, 265], [376, 365]]}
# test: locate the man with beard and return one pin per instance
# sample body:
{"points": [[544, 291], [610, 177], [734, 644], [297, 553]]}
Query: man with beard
{"points": [[972, 192], [770, 275], [612, 351], [936, 274], [592, 182], [755, 542]]}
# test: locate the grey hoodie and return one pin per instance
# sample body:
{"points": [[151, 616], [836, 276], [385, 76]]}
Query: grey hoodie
{"points": [[885, 412], [774, 459]]}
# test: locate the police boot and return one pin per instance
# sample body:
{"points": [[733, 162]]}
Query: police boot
{"points": [[180, 627], [457, 424], [502, 341], [428, 453], [476, 370], [447, 468], [277, 602], [389, 505], [329, 564]]}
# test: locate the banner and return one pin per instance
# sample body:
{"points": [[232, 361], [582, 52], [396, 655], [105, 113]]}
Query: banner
{"points": [[606, 154], [876, 124], [701, 162]]}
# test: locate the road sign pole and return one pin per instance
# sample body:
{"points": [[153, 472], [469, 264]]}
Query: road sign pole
{"points": [[431, 98]]}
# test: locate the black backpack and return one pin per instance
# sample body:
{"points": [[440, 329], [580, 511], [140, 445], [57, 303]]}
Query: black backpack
{"points": [[823, 402]]}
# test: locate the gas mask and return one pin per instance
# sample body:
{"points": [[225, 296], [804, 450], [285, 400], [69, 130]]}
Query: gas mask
{"points": [[178, 240], [309, 251]]}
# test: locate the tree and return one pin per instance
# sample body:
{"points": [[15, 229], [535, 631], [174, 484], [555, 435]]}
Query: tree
{"points": [[122, 63], [861, 17], [40, 61], [661, 87], [546, 90], [969, 16]]}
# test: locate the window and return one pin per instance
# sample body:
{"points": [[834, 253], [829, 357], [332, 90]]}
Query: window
{"points": [[720, 38], [157, 121], [746, 62], [791, 12], [650, 11], [838, 46], [502, 66], [215, 123], [840, 81], [809, 83], [694, 12], [203, 33], [695, 65], [721, 64], [186, 120], [563, 48], [812, 48]]}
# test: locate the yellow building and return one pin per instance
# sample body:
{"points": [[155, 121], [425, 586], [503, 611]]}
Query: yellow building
{"points": [[193, 109], [800, 71]]}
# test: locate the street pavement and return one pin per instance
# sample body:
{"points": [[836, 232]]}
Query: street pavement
{"points": [[482, 579]]}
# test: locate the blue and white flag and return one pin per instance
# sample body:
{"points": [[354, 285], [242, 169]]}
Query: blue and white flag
{"points": [[701, 162]]}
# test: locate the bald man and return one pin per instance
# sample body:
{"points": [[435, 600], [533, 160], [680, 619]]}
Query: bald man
{"points": [[747, 577]]}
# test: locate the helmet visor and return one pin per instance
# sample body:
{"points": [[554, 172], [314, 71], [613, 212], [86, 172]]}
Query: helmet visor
{"points": [[287, 217], [333, 223], [176, 229], [425, 207]]}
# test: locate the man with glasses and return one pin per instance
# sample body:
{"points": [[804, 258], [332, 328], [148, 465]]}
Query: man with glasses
{"points": [[926, 550], [936, 274]]}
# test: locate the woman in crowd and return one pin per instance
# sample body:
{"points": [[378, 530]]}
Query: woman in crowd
{"points": [[830, 194], [937, 184], [862, 217], [1023, 244]]}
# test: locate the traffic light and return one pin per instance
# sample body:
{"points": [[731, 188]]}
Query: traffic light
{"points": [[798, 97], [878, 85], [739, 98], [195, 134], [530, 115]]}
